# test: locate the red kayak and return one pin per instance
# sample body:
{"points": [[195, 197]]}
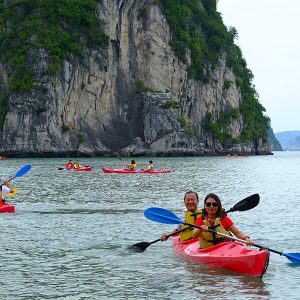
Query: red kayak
{"points": [[2, 157], [233, 256], [86, 168], [139, 171], [6, 208]]}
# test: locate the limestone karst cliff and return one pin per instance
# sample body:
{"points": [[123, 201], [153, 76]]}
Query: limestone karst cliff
{"points": [[134, 96]]}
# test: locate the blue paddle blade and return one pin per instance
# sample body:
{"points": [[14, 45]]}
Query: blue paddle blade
{"points": [[293, 257], [138, 170], [161, 215], [23, 171]]}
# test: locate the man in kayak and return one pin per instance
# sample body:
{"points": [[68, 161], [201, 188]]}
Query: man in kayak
{"points": [[191, 201], [70, 164], [5, 189], [213, 219], [132, 166]]}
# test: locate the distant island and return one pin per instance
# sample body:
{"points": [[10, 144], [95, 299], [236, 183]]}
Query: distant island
{"points": [[289, 140]]}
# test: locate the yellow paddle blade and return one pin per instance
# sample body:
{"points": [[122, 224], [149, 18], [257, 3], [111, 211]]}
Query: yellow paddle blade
{"points": [[12, 193]]}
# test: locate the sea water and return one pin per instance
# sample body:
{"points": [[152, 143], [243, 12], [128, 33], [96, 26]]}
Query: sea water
{"points": [[69, 236]]}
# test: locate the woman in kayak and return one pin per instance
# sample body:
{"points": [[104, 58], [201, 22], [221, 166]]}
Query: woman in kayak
{"points": [[191, 201], [5, 189], [132, 166], [213, 219], [77, 164], [151, 166]]}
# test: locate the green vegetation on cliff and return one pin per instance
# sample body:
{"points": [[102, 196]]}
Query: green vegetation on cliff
{"points": [[59, 28], [197, 28]]}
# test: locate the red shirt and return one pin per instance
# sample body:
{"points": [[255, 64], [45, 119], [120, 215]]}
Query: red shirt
{"points": [[225, 222]]}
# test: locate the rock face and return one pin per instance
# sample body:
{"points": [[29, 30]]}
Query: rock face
{"points": [[273, 141], [91, 106]]}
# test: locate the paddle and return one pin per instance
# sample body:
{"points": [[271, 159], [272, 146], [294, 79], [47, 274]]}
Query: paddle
{"points": [[245, 204], [167, 217], [122, 161], [20, 173], [142, 246]]}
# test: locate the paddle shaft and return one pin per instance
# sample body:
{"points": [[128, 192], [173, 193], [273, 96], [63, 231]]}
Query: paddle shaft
{"points": [[122, 160], [168, 235], [219, 233], [11, 178]]}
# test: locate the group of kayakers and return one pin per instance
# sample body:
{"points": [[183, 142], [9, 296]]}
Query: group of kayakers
{"points": [[133, 166], [212, 217], [70, 164]]}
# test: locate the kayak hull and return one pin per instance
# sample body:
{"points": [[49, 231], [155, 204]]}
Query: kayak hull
{"points": [[232, 256], [81, 169], [7, 208], [139, 171]]}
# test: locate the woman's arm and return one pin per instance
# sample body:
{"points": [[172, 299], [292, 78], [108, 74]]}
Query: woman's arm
{"points": [[240, 235]]}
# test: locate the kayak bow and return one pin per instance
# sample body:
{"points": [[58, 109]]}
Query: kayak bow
{"points": [[6, 208], [232, 256]]}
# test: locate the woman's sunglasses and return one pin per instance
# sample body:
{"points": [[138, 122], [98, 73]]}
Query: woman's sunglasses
{"points": [[209, 204]]}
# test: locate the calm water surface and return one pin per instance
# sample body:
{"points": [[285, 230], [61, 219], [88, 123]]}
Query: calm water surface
{"points": [[68, 238]]}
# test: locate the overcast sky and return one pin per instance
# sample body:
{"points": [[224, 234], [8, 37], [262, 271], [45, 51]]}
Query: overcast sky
{"points": [[269, 37]]}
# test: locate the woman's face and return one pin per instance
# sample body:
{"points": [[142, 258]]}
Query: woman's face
{"points": [[191, 202], [211, 206]]}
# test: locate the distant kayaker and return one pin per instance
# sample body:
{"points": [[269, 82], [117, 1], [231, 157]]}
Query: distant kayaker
{"points": [[70, 164], [132, 166], [151, 166], [77, 164], [213, 219], [191, 201], [5, 189]]}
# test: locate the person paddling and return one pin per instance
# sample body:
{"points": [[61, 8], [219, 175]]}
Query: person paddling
{"points": [[77, 164], [132, 166], [191, 201], [5, 189], [213, 219], [151, 166], [70, 164]]}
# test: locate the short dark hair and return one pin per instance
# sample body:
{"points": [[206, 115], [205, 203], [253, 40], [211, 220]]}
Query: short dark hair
{"points": [[191, 192]]}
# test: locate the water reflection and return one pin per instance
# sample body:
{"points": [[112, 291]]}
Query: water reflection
{"points": [[214, 283]]}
